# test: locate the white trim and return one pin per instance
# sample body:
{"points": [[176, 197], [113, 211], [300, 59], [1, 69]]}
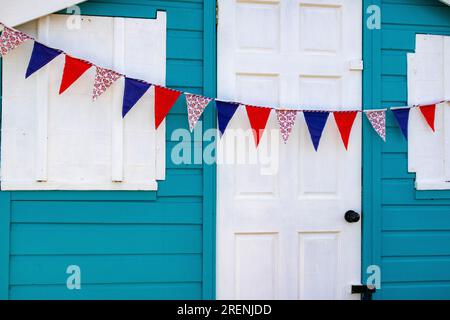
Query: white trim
{"points": [[42, 87], [117, 120], [17, 12], [49, 185]]}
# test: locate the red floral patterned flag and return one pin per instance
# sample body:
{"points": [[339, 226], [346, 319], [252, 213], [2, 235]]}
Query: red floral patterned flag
{"points": [[104, 78], [286, 119], [11, 39], [377, 119], [196, 105]]}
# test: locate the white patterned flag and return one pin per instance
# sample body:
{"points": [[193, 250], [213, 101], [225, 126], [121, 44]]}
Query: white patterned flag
{"points": [[11, 39], [104, 78], [195, 105], [286, 120], [377, 119]]}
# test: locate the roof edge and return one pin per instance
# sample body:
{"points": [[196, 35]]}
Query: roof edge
{"points": [[17, 12]]}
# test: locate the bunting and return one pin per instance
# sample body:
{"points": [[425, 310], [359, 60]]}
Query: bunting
{"points": [[286, 120], [73, 70], [164, 101], [258, 118], [40, 57], [402, 117], [165, 98], [11, 39], [225, 111], [104, 78], [429, 113], [377, 119], [344, 121], [316, 121], [134, 90], [196, 105]]}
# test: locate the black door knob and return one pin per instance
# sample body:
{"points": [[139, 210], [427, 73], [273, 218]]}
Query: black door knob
{"points": [[352, 216]]}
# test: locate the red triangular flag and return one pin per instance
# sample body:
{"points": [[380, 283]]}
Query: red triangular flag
{"points": [[344, 121], [429, 113], [73, 70], [258, 119], [164, 100]]}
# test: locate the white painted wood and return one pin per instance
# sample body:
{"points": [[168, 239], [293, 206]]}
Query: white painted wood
{"points": [[84, 137], [42, 92], [428, 152], [17, 12], [117, 119], [161, 80], [282, 234]]}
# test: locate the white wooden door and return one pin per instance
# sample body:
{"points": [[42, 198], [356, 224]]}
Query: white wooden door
{"points": [[283, 235]]}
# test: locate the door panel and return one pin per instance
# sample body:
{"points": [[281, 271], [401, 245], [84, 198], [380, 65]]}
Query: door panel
{"points": [[283, 235]]}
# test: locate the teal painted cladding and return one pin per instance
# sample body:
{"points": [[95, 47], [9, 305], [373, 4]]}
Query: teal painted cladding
{"points": [[129, 245], [405, 232]]}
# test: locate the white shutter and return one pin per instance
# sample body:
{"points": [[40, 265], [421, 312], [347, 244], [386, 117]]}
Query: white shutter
{"points": [[52, 141], [428, 82]]}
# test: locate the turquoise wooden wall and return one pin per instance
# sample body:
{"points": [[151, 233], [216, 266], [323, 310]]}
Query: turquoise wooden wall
{"points": [[129, 245], [406, 232]]}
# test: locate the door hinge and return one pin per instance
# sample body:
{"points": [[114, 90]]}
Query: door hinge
{"points": [[366, 291], [217, 13]]}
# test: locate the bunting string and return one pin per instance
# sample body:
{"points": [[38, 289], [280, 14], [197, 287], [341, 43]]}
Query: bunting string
{"points": [[165, 98]]}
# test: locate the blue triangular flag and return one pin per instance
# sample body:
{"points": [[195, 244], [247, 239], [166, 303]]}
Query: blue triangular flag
{"points": [[134, 90], [316, 122], [40, 56], [225, 111], [402, 117]]}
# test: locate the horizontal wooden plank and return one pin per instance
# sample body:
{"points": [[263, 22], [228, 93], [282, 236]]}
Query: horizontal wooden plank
{"points": [[105, 212], [395, 39], [412, 14], [416, 269], [394, 63], [107, 269], [394, 88], [188, 16], [397, 192], [145, 291], [190, 41], [433, 194], [415, 291], [396, 142], [189, 73], [191, 153], [105, 239], [182, 185], [395, 166], [402, 192], [410, 218], [85, 195], [415, 243]]}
